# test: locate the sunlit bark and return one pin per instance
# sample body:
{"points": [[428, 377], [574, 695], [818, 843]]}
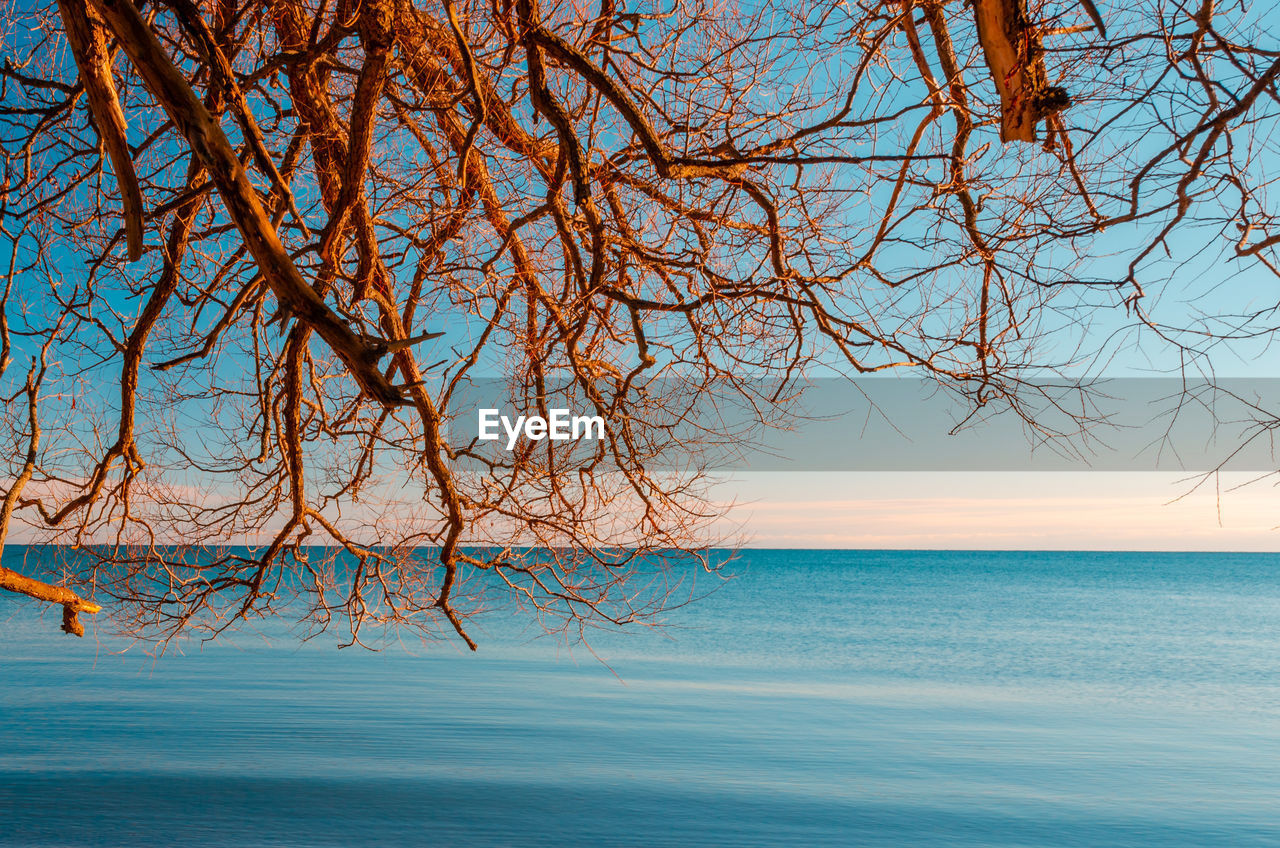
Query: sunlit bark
{"points": [[356, 209]]}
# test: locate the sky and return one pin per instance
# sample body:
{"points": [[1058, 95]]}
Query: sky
{"points": [[913, 485], [1083, 510], [1111, 509]]}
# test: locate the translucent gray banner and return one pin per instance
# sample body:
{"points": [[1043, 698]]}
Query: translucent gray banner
{"points": [[893, 424]]}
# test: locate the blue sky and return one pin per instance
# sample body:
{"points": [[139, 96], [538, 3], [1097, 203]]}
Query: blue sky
{"points": [[1036, 509]]}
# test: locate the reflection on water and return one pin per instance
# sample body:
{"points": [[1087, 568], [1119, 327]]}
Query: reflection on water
{"points": [[822, 698]]}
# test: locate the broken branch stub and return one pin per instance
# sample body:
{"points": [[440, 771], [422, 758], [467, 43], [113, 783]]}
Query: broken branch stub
{"points": [[1014, 55], [72, 604]]}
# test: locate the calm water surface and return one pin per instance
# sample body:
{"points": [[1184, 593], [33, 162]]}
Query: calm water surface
{"points": [[819, 699]]}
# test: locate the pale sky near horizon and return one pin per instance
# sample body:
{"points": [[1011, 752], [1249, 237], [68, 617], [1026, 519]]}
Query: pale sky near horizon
{"points": [[952, 510], [1087, 510]]}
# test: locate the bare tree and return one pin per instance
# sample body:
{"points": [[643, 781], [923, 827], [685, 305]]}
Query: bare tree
{"points": [[260, 249]]}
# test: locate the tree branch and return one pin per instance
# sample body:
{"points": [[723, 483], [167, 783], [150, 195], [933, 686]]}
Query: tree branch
{"points": [[210, 144]]}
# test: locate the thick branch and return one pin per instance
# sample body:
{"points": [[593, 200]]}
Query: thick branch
{"points": [[211, 146], [72, 604], [88, 43], [1011, 46]]}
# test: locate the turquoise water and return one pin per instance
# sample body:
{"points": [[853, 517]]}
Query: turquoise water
{"points": [[820, 698]]}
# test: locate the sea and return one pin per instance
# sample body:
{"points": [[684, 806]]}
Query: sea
{"points": [[815, 698]]}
